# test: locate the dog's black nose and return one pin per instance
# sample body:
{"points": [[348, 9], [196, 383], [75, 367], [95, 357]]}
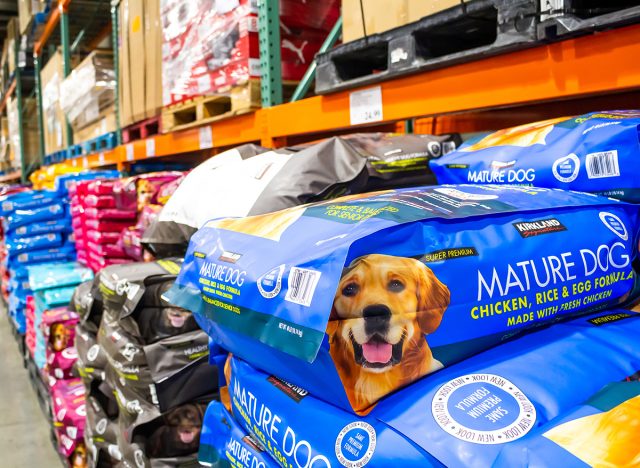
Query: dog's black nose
{"points": [[376, 310], [376, 318]]}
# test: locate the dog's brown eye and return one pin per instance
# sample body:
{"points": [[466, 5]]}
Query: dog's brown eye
{"points": [[350, 290], [395, 286]]}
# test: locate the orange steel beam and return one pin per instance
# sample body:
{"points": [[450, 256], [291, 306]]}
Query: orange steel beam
{"points": [[7, 95], [598, 63], [50, 26]]}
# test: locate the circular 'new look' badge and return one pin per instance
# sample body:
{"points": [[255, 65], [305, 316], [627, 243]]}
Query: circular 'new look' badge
{"points": [[483, 409]]}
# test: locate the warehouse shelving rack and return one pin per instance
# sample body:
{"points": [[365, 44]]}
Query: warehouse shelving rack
{"points": [[594, 65]]}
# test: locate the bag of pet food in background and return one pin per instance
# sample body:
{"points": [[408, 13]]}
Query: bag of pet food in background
{"points": [[27, 200], [101, 429], [23, 217], [47, 227], [171, 439], [158, 356], [67, 397], [280, 179], [595, 152], [223, 442], [386, 288], [465, 415], [603, 431], [134, 193], [58, 330]]}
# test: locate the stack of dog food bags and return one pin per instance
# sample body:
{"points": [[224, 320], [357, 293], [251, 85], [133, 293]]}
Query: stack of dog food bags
{"points": [[148, 193], [69, 409], [102, 410], [99, 222], [595, 152], [58, 331], [37, 230], [251, 180], [53, 285], [399, 326], [156, 363]]}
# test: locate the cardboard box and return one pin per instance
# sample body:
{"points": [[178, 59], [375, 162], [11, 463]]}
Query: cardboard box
{"points": [[54, 119], [29, 132], [140, 60], [89, 89], [153, 53], [12, 38], [106, 123], [382, 15], [26, 11]]}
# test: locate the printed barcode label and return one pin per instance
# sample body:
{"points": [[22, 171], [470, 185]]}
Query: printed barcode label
{"points": [[130, 152], [302, 286], [604, 164], [151, 147]]}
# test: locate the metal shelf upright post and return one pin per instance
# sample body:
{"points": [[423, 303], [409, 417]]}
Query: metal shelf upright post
{"points": [[66, 56], [18, 81], [115, 37]]}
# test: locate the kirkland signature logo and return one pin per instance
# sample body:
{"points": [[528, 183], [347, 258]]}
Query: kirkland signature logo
{"points": [[536, 228]]}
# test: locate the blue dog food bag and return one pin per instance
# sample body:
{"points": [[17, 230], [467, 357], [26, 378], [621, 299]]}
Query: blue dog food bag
{"points": [[224, 443], [604, 431], [62, 225], [66, 252], [15, 246], [27, 200], [360, 296], [23, 217], [596, 152], [465, 415]]}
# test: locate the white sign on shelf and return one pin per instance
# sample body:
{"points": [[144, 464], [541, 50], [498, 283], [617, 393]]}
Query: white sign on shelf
{"points": [[101, 158], [85, 163], [365, 106], [206, 137], [151, 147], [129, 150]]}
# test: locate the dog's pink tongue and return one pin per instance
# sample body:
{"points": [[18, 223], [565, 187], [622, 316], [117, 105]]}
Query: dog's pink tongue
{"points": [[187, 437], [377, 352]]}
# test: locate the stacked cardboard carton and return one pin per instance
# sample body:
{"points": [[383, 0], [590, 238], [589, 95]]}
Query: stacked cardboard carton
{"points": [[140, 60]]}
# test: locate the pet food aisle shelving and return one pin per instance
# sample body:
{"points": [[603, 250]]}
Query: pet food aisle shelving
{"points": [[597, 64]]}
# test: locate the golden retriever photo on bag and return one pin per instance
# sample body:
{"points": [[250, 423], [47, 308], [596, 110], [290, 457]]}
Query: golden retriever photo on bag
{"points": [[384, 307]]}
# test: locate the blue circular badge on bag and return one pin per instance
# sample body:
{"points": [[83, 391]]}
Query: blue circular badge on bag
{"points": [[355, 444], [483, 409]]}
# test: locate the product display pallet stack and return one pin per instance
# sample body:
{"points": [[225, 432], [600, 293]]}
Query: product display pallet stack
{"points": [[109, 216], [37, 230], [353, 314], [211, 55], [145, 365]]}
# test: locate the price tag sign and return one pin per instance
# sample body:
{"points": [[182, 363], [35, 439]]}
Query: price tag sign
{"points": [[101, 158], [85, 163], [365, 106], [129, 149], [206, 137], [151, 147]]}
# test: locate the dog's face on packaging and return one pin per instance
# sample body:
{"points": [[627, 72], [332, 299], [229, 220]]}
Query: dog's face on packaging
{"points": [[59, 337], [174, 319], [185, 422], [79, 456], [383, 307]]}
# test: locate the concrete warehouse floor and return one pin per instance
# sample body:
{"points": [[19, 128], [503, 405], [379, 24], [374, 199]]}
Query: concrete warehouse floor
{"points": [[24, 431]]}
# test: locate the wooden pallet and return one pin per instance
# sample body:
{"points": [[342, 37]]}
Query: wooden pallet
{"points": [[202, 110], [141, 130]]}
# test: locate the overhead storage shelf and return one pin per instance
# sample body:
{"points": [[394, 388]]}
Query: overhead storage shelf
{"points": [[597, 64]]}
